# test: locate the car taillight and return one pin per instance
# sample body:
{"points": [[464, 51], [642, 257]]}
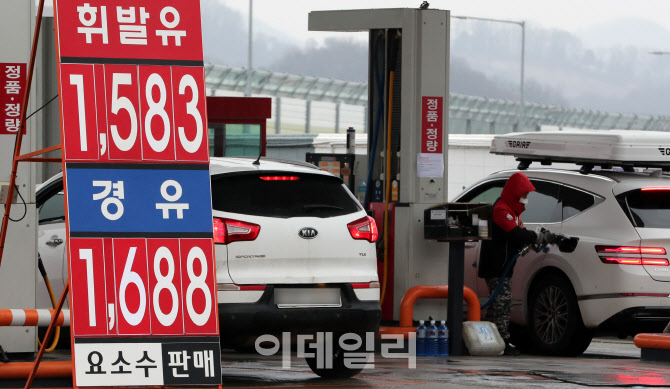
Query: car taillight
{"points": [[621, 261], [280, 178], [655, 261], [636, 257], [365, 285], [364, 228], [228, 231], [219, 231], [652, 250], [631, 250]]}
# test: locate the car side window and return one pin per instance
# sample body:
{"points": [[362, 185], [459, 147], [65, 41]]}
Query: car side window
{"points": [[575, 201], [487, 193], [543, 204], [53, 209]]}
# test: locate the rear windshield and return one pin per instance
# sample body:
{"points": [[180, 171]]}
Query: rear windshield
{"points": [[309, 195], [647, 209]]}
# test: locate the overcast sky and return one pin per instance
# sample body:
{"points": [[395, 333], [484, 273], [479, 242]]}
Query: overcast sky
{"points": [[290, 16]]}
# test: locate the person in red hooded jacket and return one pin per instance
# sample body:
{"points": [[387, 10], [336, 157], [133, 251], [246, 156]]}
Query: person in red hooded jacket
{"points": [[508, 236]]}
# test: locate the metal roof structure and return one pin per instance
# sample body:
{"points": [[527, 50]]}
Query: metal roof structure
{"points": [[467, 114]]}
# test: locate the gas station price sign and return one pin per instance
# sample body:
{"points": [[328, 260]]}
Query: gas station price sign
{"points": [[130, 113], [136, 172]]}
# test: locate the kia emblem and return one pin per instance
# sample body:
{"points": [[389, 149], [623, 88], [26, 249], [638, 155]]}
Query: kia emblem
{"points": [[308, 233]]}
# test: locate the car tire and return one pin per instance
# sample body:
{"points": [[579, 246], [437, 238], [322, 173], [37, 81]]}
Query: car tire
{"points": [[554, 321], [519, 338], [339, 370]]}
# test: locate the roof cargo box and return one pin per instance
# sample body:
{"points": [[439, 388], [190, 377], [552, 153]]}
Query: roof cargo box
{"points": [[623, 148]]}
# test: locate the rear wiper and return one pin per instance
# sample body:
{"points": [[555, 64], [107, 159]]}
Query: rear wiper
{"points": [[321, 206]]}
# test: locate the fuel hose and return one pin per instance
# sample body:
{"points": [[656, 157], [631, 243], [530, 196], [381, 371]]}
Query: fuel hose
{"points": [[43, 271], [508, 267], [501, 281]]}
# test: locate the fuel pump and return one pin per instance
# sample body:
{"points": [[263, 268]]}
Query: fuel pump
{"points": [[408, 85]]}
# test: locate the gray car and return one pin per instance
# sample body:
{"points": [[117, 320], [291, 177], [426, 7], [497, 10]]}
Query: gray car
{"points": [[618, 278]]}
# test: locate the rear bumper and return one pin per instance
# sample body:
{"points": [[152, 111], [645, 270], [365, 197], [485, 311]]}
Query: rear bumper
{"points": [[635, 320], [243, 321]]}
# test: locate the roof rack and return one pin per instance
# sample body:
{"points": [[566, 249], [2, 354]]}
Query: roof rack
{"points": [[626, 149]]}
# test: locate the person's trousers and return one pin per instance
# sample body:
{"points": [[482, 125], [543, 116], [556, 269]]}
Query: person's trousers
{"points": [[499, 311]]}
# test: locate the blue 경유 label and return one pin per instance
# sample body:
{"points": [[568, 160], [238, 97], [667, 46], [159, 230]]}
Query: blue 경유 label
{"points": [[136, 201]]}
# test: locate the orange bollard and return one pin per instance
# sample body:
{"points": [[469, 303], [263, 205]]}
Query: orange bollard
{"points": [[655, 341], [21, 370], [429, 291], [653, 347]]}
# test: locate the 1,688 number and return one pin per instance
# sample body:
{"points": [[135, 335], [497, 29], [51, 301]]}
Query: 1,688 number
{"points": [[158, 286]]}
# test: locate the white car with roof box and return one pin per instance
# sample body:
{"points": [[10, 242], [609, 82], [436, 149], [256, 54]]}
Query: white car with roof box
{"points": [[618, 277], [295, 252]]}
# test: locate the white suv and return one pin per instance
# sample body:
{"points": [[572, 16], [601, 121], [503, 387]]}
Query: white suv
{"points": [[617, 278], [294, 249]]}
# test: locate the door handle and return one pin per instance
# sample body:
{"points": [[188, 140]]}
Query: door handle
{"points": [[55, 242]]}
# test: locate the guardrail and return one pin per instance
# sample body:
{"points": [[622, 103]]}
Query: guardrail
{"points": [[467, 114]]}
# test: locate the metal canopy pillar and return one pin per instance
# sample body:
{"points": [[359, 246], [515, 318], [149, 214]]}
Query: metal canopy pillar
{"points": [[419, 41], [18, 246]]}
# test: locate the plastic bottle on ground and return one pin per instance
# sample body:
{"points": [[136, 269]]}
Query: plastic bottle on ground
{"points": [[443, 339], [432, 340], [421, 333]]}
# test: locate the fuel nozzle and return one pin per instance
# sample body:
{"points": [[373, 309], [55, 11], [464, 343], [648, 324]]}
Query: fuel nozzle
{"points": [[565, 244]]}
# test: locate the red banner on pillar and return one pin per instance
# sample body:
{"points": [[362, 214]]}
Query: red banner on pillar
{"points": [[12, 90], [431, 124]]}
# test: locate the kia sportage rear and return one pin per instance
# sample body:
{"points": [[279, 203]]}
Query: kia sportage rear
{"points": [[295, 252]]}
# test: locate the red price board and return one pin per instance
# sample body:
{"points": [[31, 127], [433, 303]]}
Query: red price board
{"points": [[145, 31], [127, 291], [12, 89], [148, 286], [431, 125], [128, 113], [132, 100]]}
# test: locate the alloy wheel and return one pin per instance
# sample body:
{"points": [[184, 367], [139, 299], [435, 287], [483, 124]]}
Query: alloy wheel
{"points": [[551, 314]]}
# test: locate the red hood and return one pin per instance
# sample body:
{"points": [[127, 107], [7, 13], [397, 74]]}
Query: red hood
{"points": [[517, 185]]}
